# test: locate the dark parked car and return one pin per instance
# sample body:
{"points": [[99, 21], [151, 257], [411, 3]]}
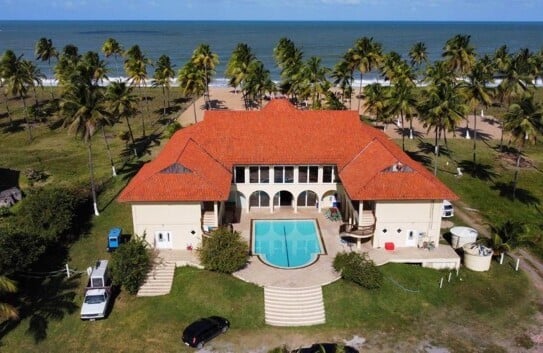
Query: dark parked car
{"points": [[326, 348], [203, 330]]}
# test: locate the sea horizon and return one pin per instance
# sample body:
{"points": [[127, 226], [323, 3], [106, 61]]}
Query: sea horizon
{"points": [[328, 40]]}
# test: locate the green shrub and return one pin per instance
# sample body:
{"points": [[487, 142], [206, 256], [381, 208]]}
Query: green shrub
{"points": [[130, 264], [224, 251], [54, 214], [359, 269], [171, 129]]}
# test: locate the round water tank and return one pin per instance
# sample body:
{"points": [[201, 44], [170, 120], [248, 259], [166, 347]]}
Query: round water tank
{"points": [[462, 235], [477, 257]]}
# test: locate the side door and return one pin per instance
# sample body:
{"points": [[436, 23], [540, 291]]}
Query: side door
{"points": [[163, 239]]}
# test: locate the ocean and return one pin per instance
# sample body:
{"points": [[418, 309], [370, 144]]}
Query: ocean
{"points": [[327, 40]]}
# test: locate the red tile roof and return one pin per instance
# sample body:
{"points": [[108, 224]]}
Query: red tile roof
{"points": [[203, 155]]}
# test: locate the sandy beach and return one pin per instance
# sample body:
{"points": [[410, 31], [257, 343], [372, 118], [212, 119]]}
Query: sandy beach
{"points": [[224, 98]]}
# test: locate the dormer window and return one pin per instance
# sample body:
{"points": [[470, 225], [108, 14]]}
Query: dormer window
{"points": [[176, 168], [398, 167]]}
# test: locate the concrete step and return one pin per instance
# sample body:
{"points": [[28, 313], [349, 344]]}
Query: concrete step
{"points": [[159, 281], [294, 306]]}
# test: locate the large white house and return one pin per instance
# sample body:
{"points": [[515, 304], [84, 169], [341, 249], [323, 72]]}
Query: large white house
{"points": [[236, 162]]}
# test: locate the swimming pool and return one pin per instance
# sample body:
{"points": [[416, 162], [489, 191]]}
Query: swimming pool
{"points": [[289, 243]]}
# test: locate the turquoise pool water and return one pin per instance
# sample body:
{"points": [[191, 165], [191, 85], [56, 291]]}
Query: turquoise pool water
{"points": [[286, 243]]}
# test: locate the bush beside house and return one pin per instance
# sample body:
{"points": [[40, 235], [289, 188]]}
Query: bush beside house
{"points": [[225, 251], [130, 264], [359, 269]]}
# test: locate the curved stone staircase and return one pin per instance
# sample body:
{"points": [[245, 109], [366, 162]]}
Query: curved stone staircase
{"points": [[294, 306]]}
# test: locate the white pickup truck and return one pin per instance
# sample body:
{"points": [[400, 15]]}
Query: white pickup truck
{"points": [[98, 293]]}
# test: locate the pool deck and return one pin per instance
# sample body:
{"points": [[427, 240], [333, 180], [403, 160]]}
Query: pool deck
{"points": [[320, 272]]}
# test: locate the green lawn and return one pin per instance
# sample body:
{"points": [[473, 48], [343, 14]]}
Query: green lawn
{"points": [[480, 305], [410, 304]]}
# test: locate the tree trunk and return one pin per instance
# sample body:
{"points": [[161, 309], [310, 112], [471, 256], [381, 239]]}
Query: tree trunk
{"points": [[436, 150], [411, 128], [113, 171], [517, 170], [147, 110], [164, 100], [91, 171], [403, 132], [7, 110], [474, 135], [194, 107], [360, 92], [28, 126], [131, 136]]}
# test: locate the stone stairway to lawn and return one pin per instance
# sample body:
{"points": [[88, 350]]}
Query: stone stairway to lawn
{"points": [[294, 306], [159, 280]]}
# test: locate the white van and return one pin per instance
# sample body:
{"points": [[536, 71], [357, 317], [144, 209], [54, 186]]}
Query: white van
{"points": [[447, 209]]}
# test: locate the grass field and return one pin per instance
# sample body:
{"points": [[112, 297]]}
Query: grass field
{"points": [[472, 313]]}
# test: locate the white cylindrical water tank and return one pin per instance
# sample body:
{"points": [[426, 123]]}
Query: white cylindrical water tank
{"points": [[462, 235], [477, 257]]}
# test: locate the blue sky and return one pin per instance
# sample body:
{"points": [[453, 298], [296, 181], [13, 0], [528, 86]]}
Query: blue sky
{"points": [[354, 10]]}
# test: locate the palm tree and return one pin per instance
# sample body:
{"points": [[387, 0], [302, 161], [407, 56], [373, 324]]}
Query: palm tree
{"points": [[45, 51], [342, 77], [204, 59], [7, 311], [443, 105], [389, 66], [364, 57], [418, 55], [82, 108], [524, 121], [459, 54], [8, 67], [112, 47], [403, 100], [66, 65], [476, 90], [122, 103], [135, 66], [93, 68], [192, 82], [162, 77], [314, 76], [513, 83], [18, 85], [258, 82], [35, 78], [237, 68], [376, 102], [289, 59]]}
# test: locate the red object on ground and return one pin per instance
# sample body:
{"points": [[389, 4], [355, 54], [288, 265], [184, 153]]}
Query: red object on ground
{"points": [[389, 246]]}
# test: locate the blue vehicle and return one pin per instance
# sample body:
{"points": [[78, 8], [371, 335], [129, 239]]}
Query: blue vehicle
{"points": [[114, 238]]}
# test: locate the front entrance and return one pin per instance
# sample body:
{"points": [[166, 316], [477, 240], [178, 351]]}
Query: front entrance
{"points": [[163, 240]]}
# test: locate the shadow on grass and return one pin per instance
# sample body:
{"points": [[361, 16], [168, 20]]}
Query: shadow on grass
{"points": [[42, 300], [522, 195], [420, 157], [477, 170], [129, 169], [429, 148], [404, 131]]}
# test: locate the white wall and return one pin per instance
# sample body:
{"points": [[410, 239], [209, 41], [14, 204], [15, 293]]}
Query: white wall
{"points": [[180, 219], [400, 217]]}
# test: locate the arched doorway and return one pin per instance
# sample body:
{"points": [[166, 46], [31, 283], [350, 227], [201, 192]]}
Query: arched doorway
{"points": [[307, 198], [283, 198], [259, 199]]}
